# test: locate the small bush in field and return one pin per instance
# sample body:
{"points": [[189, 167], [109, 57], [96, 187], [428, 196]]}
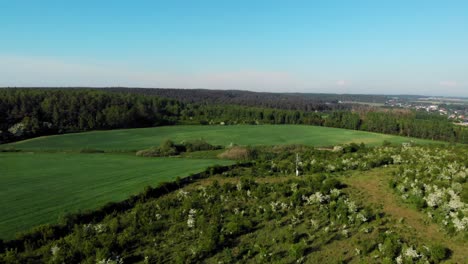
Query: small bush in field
{"points": [[235, 153]]}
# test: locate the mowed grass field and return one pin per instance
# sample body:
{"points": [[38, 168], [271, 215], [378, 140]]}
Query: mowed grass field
{"points": [[136, 139], [38, 188]]}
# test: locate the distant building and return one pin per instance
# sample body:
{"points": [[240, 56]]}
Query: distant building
{"points": [[432, 108]]}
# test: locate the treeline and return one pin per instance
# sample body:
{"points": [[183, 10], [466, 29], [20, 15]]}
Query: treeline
{"points": [[33, 112], [403, 123], [284, 101], [27, 113], [368, 98]]}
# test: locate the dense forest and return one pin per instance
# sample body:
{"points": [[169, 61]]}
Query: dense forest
{"points": [[288, 101], [292, 101], [28, 113], [34, 112]]}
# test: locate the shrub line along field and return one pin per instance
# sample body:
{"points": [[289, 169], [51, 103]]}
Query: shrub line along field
{"points": [[38, 188], [136, 139]]}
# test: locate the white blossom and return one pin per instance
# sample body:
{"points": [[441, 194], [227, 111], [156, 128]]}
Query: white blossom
{"points": [[411, 253], [435, 198], [191, 218], [352, 208], [99, 228], [361, 217], [117, 260], [317, 197], [54, 250], [182, 194], [399, 259], [460, 224], [334, 192], [239, 186]]}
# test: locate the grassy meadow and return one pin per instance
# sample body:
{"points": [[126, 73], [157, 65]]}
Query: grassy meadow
{"points": [[135, 139], [37, 188]]}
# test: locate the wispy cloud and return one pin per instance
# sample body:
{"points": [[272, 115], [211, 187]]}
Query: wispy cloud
{"points": [[43, 71], [64, 72], [250, 79], [342, 83], [448, 83]]}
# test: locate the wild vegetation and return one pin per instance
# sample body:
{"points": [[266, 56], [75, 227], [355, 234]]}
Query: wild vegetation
{"points": [[435, 181], [261, 212], [169, 148]]}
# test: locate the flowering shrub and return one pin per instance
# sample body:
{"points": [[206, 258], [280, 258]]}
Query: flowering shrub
{"points": [[192, 224], [431, 179], [273, 219]]}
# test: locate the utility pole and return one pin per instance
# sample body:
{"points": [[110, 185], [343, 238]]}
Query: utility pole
{"points": [[297, 164]]}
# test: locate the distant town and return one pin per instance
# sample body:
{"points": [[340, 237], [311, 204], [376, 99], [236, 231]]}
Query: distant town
{"points": [[453, 108]]}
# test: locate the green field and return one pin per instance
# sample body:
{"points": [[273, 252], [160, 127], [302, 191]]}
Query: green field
{"points": [[135, 139], [37, 188]]}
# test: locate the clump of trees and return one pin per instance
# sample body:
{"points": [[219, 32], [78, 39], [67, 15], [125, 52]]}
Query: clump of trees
{"points": [[169, 148], [34, 112]]}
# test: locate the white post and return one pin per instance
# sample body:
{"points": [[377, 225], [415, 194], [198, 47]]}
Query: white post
{"points": [[297, 164]]}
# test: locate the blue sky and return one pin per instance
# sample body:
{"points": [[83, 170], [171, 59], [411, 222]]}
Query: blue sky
{"points": [[411, 47]]}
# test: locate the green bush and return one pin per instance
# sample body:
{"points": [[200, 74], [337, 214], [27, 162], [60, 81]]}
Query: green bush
{"points": [[438, 253], [151, 152], [391, 246], [464, 193], [367, 246], [417, 201], [169, 148], [297, 250]]}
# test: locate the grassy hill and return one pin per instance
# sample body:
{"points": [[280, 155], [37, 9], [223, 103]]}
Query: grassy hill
{"points": [[135, 139], [37, 188]]}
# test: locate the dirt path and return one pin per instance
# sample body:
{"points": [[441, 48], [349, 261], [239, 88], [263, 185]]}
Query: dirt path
{"points": [[373, 186]]}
